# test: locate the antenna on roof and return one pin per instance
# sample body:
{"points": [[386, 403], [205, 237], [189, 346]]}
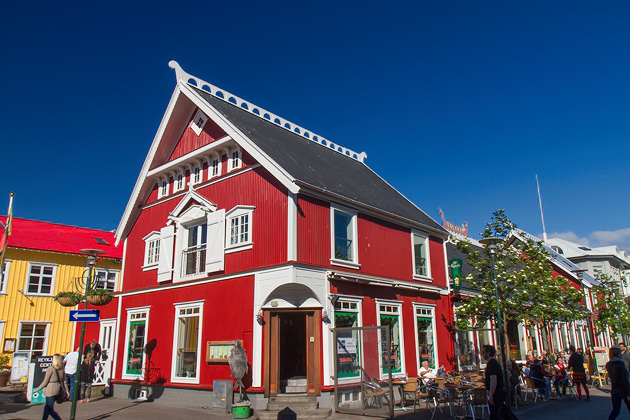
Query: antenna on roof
{"points": [[542, 216]]}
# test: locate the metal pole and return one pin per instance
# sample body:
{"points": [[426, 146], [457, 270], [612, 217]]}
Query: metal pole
{"points": [[508, 398], [75, 394], [619, 317]]}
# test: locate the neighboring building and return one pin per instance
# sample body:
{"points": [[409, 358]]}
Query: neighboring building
{"points": [[245, 226], [41, 260], [609, 260]]}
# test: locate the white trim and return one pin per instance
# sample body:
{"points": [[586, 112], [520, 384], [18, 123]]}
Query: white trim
{"points": [[178, 307], [236, 213], [416, 306], [292, 220], [152, 237], [446, 268], [52, 282], [198, 122], [234, 163], [4, 278], [354, 263], [212, 148], [426, 244], [146, 310], [122, 268], [401, 335], [346, 264], [331, 365]]}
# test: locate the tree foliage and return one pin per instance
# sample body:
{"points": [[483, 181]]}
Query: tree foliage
{"points": [[526, 285], [612, 306]]}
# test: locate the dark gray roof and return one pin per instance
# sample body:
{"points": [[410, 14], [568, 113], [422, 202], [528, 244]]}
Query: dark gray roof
{"points": [[319, 167]]}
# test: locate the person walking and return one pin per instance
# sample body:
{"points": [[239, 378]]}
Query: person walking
{"points": [[94, 348], [71, 362], [578, 376], [54, 384], [86, 376], [625, 355], [493, 381], [620, 386]]}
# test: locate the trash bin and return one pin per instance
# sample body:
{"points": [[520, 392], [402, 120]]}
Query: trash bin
{"points": [[222, 394]]}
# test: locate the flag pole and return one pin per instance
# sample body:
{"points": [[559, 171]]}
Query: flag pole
{"points": [[542, 216], [4, 241]]}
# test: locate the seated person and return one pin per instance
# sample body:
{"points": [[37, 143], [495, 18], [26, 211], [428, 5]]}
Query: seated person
{"points": [[537, 373], [514, 376], [560, 376], [425, 372]]}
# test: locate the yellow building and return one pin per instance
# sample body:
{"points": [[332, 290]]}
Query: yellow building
{"points": [[41, 260]]}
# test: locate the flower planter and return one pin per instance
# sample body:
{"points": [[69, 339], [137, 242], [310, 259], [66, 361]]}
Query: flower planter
{"points": [[4, 378], [99, 300], [66, 301]]}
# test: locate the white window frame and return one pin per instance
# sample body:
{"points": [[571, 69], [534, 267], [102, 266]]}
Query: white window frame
{"points": [[234, 162], [178, 308], [179, 181], [151, 238], [211, 167], [196, 174], [401, 336], [46, 335], [52, 282], [431, 308], [236, 213], [2, 324], [107, 272], [163, 188], [198, 122], [359, 311], [4, 277], [355, 246], [426, 245], [195, 216], [135, 311]]}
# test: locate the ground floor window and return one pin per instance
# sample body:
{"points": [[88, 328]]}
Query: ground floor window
{"points": [[389, 314], [136, 340], [348, 342], [32, 339], [187, 342], [426, 336]]}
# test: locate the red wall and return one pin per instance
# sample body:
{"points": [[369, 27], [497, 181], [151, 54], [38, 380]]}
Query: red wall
{"points": [[190, 141], [255, 187]]}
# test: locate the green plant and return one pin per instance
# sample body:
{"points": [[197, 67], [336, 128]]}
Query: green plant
{"points": [[74, 297], [5, 362], [100, 292]]}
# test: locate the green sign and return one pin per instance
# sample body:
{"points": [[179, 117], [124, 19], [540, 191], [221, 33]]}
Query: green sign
{"points": [[456, 272]]}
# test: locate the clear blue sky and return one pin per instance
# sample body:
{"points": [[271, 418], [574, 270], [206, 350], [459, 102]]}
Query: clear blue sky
{"points": [[458, 104]]}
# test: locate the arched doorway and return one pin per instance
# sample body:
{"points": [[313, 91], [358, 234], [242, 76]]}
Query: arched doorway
{"points": [[292, 341]]}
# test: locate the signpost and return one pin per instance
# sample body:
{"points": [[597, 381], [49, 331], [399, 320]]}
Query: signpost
{"points": [[85, 315]]}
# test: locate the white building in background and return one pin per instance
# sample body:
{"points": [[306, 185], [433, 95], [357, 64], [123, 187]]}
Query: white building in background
{"points": [[608, 260]]}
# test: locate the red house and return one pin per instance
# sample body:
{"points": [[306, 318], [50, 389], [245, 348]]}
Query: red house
{"points": [[243, 225]]}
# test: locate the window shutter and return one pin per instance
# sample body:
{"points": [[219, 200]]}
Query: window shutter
{"points": [[215, 248], [165, 265]]}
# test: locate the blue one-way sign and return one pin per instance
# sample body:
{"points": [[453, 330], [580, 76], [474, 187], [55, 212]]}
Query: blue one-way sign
{"points": [[85, 315]]}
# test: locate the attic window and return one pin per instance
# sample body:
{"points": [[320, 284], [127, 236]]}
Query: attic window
{"points": [[198, 122], [101, 241], [583, 248], [557, 249]]}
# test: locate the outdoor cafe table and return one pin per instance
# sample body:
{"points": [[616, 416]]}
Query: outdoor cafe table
{"points": [[401, 387]]}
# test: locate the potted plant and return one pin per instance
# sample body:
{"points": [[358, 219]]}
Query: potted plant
{"points": [[5, 369], [99, 297], [68, 298]]}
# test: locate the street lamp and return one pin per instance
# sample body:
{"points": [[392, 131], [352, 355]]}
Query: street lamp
{"points": [[491, 245], [85, 283]]}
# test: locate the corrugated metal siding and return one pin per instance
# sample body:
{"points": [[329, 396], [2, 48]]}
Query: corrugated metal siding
{"points": [[384, 248], [313, 231], [16, 308], [269, 226], [190, 141]]}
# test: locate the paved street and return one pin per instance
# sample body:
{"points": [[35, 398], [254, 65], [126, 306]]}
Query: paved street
{"points": [[115, 408]]}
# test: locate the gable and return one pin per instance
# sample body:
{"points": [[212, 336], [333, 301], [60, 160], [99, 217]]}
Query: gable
{"points": [[190, 141]]}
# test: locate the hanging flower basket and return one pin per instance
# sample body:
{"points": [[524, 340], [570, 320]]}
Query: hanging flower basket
{"points": [[68, 299], [99, 300]]}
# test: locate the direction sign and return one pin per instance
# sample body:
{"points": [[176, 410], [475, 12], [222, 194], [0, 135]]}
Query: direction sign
{"points": [[85, 315]]}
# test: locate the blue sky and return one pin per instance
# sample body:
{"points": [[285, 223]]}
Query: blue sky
{"points": [[457, 104]]}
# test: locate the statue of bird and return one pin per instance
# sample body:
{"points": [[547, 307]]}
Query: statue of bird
{"points": [[238, 363]]}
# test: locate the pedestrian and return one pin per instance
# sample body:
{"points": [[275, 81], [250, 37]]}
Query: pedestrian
{"points": [[625, 355], [494, 381], [54, 384], [86, 375], [71, 362], [620, 387], [578, 376], [94, 348]]}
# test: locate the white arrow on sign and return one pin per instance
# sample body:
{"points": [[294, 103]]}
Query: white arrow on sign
{"points": [[77, 315]]}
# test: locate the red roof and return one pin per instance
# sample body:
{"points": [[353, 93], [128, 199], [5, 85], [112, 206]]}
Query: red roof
{"points": [[53, 237]]}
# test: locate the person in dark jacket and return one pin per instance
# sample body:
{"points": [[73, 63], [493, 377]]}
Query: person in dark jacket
{"points": [[620, 384], [94, 348], [537, 373], [625, 355], [494, 381], [86, 376], [578, 374]]}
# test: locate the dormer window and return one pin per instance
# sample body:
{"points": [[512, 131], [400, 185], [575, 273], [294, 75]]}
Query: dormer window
{"points": [[195, 178], [215, 168], [180, 182], [163, 188], [198, 122], [234, 159]]}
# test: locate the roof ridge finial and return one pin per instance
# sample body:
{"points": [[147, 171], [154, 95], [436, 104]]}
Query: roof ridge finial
{"points": [[180, 74]]}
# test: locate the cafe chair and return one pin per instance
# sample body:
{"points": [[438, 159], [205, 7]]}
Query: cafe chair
{"points": [[373, 395], [410, 389], [478, 400], [531, 387]]}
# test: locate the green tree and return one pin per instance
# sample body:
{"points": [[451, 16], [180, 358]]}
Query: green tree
{"points": [[527, 288], [612, 306]]}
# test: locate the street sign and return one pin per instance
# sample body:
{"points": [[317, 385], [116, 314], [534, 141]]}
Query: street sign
{"points": [[85, 315]]}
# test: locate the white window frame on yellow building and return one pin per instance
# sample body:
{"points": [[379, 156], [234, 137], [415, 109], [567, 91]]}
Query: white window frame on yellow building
{"points": [[4, 277], [19, 336], [52, 282]]}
